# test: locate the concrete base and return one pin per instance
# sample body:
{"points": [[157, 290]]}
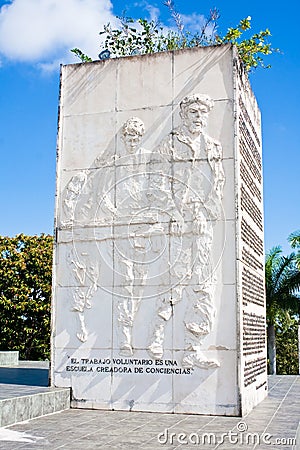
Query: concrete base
{"points": [[24, 403], [24, 393], [9, 358]]}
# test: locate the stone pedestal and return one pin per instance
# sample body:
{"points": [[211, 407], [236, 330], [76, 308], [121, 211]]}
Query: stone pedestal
{"points": [[159, 265], [9, 358]]}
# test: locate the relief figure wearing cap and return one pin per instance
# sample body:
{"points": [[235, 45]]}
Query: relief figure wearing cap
{"points": [[197, 189]]}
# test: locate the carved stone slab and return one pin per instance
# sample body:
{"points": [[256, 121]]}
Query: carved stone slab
{"points": [[158, 296]]}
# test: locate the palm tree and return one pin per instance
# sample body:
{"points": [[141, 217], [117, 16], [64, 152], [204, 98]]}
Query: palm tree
{"points": [[294, 240], [282, 285]]}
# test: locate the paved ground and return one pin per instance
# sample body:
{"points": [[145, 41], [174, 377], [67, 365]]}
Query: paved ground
{"points": [[272, 424]]}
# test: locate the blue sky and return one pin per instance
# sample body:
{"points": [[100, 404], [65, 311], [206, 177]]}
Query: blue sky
{"points": [[35, 37]]}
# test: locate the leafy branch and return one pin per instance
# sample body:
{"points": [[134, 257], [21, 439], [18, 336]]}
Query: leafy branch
{"points": [[251, 50], [81, 55], [148, 36]]}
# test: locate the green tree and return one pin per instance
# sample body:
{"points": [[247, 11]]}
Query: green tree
{"points": [[287, 345], [282, 285], [294, 240], [144, 36], [25, 294]]}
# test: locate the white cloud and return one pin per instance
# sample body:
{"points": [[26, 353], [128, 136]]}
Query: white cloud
{"points": [[49, 67], [153, 12], [43, 31], [194, 22]]}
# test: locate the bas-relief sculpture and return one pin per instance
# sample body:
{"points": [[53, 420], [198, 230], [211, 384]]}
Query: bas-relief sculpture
{"points": [[158, 287], [198, 199], [86, 274], [159, 202]]}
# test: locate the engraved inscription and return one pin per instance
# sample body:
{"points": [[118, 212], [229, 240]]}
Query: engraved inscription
{"points": [[250, 259], [248, 180], [252, 288], [254, 333], [255, 172], [248, 120], [248, 205], [126, 365], [249, 141], [250, 237], [254, 368]]}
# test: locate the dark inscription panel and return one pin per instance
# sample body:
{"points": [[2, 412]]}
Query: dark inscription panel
{"points": [[252, 288], [250, 237], [248, 120], [126, 365], [248, 180], [248, 205], [244, 132], [254, 333], [253, 368], [249, 259], [245, 153], [251, 246]]}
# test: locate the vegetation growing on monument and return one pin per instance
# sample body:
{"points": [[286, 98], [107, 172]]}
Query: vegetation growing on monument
{"points": [[25, 294], [144, 36]]}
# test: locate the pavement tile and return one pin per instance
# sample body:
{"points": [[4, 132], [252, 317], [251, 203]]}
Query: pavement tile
{"points": [[78, 429], [9, 446]]}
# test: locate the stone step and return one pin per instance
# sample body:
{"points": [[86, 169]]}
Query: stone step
{"points": [[25, 394], [19, 402], [8, 358]]}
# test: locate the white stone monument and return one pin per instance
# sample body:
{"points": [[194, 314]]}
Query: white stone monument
{"points": [[158, 291]]}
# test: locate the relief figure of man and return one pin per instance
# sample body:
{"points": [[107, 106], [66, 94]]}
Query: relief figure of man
{"points": [[197, 189], [131, 241]]}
